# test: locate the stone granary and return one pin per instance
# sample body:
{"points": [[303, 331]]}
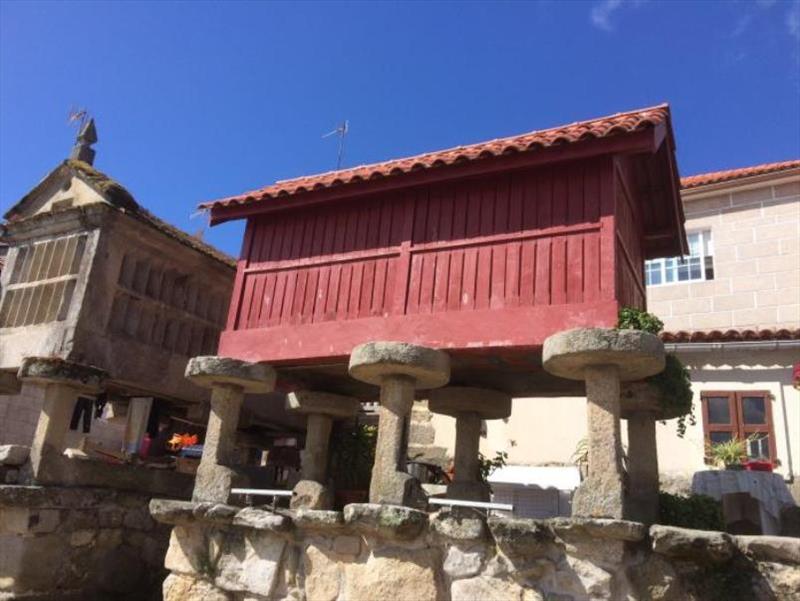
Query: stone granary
{"points": [[104, 301], [464, 277]]}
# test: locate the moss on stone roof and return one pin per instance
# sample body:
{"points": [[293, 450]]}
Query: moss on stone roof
{"points": [[117, 195]]}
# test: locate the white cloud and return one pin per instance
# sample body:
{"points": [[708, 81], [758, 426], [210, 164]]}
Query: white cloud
{"points": [[601, 14], [742, 23], [793, 20]]}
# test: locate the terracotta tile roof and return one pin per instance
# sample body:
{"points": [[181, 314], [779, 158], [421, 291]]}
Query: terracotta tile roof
{"points": [[603, 127], [716, 177], [731, 335]]}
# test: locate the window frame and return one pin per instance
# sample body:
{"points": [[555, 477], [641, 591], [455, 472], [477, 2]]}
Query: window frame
{"points": [[40, 289], [706, 243], [736, 415]]}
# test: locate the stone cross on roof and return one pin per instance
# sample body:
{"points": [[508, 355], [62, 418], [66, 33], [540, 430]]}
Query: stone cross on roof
{"points": [[83, 151]]}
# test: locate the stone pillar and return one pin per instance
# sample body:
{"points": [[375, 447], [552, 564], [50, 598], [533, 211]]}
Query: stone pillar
{"points": [[62, 381], [396, 398], [465, 460], [603, 358], [314, 458], [642, 468], [605, 493], [9, 383], [229, 380], [469, 406], [642, 407], [313, 490], [399, 369]]}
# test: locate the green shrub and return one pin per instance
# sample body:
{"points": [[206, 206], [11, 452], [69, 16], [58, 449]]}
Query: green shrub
{"points": [[636, 319], [487, 466], [352, 456], [699, 512]]}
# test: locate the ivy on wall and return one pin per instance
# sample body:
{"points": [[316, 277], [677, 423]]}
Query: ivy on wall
{"points": [[674, 382]]}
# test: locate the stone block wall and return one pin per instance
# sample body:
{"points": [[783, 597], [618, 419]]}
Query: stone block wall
{"points": [[19, 414], [756, 238], [224, 553], [77, 543]]}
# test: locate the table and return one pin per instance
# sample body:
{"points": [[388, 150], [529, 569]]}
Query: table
{"points": [[768, 488]]}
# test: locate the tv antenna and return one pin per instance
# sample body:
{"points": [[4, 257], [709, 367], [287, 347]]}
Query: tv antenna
{"points": [[341, 131]]}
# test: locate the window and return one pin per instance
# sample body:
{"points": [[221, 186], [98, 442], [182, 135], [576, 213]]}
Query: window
{"points": [[42, 282], [742, 415], [698, 265], [163, 308]]}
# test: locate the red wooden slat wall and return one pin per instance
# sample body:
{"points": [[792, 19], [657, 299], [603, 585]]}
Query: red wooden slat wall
{"points": [[528, 238], [630, 242]]}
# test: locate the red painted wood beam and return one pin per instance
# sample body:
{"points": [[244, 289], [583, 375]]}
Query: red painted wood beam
{"points": [[513, 331]]}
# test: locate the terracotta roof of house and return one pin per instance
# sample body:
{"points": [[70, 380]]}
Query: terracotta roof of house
{"points": [[603, 127], [745, 335], [716, 177]]}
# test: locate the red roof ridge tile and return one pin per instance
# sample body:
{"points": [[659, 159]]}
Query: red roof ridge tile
{"points": [[715, 177], [598, 127]]}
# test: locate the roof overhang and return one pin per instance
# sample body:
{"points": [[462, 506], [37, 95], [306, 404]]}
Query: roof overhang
{"points": [[645, 142], [772, 178]]}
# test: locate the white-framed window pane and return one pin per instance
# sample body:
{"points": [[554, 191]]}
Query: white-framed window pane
{"points": [[653, 273], [695, 268], [709, 246], [698, 265], [683, 270], [709, 268], [695, 244], [670, 270]]}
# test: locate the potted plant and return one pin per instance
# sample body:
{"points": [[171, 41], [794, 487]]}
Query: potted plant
{"points": [[729, 454], [352, 456]]}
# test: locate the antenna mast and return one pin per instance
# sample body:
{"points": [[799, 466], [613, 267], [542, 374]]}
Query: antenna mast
{"points": [[341, 131]]}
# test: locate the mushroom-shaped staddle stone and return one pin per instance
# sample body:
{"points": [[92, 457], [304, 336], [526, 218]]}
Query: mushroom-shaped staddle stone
{"points": [[374, 361], [456, 400], [51, 370], [634, 353], [209, 372], [322, 403]]}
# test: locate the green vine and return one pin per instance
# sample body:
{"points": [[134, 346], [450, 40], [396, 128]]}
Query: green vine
{"points": [[674, 382], [487, 466]]}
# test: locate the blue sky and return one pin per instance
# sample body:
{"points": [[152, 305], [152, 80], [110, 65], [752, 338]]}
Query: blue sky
{"points": [[195, 101]]}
